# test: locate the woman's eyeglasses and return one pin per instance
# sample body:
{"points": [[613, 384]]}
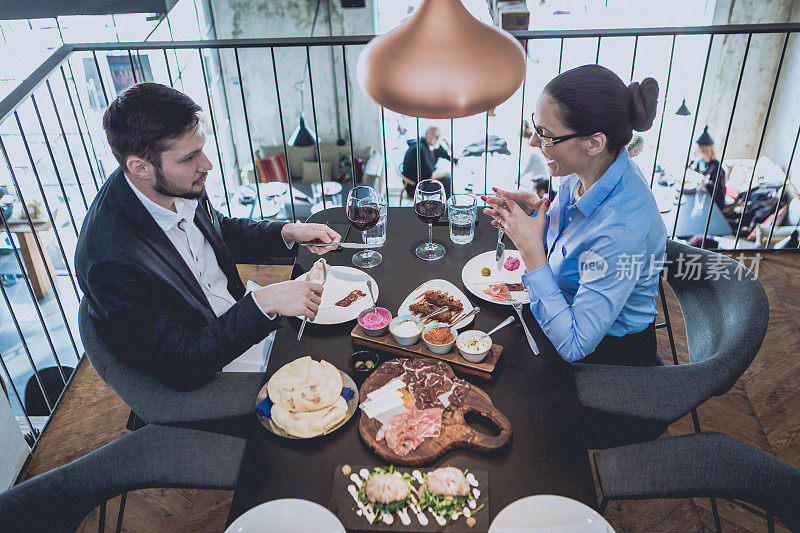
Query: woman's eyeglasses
{"points": [[550, 141]]}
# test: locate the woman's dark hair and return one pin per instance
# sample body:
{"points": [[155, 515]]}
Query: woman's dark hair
{"points": [[592, 99], [145, 118]]}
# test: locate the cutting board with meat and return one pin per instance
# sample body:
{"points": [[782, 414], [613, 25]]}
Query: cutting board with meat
{"points": [[431, 420]]}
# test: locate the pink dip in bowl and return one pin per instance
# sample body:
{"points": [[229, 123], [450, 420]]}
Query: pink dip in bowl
{"points": [[512, 263], [376, 319]]}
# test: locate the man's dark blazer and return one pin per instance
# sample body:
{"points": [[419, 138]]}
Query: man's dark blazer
{"points": [[148, 305]]}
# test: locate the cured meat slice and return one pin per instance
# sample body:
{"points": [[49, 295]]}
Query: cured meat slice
{"points": [[350, 298], [427, 380], [406, 431], [498, 292], [516, 287]]}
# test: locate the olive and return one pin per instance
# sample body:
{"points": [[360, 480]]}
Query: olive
{"points": [[370, 364], [486, 272], [360, 365]]}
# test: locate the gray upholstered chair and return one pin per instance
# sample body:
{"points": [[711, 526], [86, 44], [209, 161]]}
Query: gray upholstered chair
{"points": [[151, 457], [700, 465], [229, 395], [726, 320]]}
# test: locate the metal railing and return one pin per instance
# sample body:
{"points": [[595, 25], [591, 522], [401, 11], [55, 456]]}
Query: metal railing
{"points": [[86, 172]]}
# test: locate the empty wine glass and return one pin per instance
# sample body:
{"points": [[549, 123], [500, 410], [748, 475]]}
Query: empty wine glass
{"points": [[363, 212], [429, 206]]}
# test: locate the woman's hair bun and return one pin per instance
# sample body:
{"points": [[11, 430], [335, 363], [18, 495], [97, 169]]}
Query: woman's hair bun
{"points": [[644, 97]]}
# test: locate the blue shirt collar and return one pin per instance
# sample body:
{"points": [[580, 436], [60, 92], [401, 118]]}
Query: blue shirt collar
{"points": [[602, 187]]}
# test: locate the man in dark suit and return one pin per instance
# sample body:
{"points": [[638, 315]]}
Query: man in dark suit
{"points": [[158, 263], [429, 150]]}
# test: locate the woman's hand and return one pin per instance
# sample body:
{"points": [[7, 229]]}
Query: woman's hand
{"points": [[525, 231], [526, 201]]}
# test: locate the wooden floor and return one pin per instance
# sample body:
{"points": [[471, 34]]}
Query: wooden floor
{"points": [[762, 409]]}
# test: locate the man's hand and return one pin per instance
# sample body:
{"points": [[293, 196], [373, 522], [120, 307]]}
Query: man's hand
{"points": [[302, 233], [290, 298]]}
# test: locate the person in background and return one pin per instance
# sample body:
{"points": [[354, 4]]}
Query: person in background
{"points": [[157, 262], [635, 146], [706, 163], [430, 151], [594, 256]]}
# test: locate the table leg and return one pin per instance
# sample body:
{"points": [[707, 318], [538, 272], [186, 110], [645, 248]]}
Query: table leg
{"points": [[34, 265]]}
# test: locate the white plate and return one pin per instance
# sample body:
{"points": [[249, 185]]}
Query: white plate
{"points": [[548, 513], [438, 285], [288, 515], [476, 283], [341, 281], [352, 406], [273, 188]]}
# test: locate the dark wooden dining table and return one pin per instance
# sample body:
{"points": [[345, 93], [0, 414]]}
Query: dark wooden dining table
{"points": [[547, 453]]}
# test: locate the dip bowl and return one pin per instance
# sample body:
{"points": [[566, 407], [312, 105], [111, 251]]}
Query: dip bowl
{"points": [[400, 337], [473, 351], [439, 349], [369, 327]]}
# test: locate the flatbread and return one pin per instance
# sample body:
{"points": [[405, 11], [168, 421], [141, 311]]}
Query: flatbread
{"points": [[305, 385], [309, 424]]}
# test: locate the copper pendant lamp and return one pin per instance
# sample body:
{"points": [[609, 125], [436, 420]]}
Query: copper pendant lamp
{"points": [[441, 63]]}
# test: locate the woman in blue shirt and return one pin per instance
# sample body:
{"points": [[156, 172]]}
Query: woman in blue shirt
{"points": [[593, 257]]}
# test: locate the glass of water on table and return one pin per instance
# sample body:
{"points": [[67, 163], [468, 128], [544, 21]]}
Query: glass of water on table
{"points": [[462, 211], [376, 236]]}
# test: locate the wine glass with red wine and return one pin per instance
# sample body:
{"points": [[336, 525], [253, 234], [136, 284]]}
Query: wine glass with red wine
{"points": [[429, 206], [363, 212]]}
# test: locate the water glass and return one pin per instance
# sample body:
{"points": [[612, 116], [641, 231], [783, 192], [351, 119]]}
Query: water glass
{"points": [[376, 236], [462, 211]]}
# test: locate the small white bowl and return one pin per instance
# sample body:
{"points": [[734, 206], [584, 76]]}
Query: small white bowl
{"points": [[472, 356], [405, 341]]}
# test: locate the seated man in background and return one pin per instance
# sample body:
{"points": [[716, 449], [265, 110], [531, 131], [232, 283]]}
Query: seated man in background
{"points": [[157, 262], [430, 151]]}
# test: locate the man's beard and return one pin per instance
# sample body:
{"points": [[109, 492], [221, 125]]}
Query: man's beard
{"points": [[164, 187]]}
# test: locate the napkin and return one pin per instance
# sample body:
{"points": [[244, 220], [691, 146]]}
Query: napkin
{"points": [[255, 359], [265, 406]]}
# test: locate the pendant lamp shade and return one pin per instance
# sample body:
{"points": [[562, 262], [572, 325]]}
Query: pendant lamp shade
{"points": [[683, 111], [441, 63], [302, 136]]}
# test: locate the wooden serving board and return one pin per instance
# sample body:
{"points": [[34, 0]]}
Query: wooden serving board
{"points": [[456, 433], [386, 343]]}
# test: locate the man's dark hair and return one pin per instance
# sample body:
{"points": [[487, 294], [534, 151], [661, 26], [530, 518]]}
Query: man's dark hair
{"points": [[144, 119], [592, 99]]}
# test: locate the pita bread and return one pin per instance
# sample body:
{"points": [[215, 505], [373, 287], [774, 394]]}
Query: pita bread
{"points": [[309, 424], [305, 385]]}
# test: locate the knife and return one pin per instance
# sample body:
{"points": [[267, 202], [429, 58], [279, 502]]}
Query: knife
{"points": [[354, 245], [501, 248]]}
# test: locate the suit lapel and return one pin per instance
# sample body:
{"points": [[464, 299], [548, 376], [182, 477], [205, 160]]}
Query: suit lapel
{"points": [[153, 237], [203, 219]]}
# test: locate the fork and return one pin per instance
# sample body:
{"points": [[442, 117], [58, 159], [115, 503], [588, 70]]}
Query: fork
{"points": [[532, 343]]}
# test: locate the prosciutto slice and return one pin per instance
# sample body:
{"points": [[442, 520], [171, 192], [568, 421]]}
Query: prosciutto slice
{"points": [[350, 298], [498, 292], [426, 381], [406, 431]]}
